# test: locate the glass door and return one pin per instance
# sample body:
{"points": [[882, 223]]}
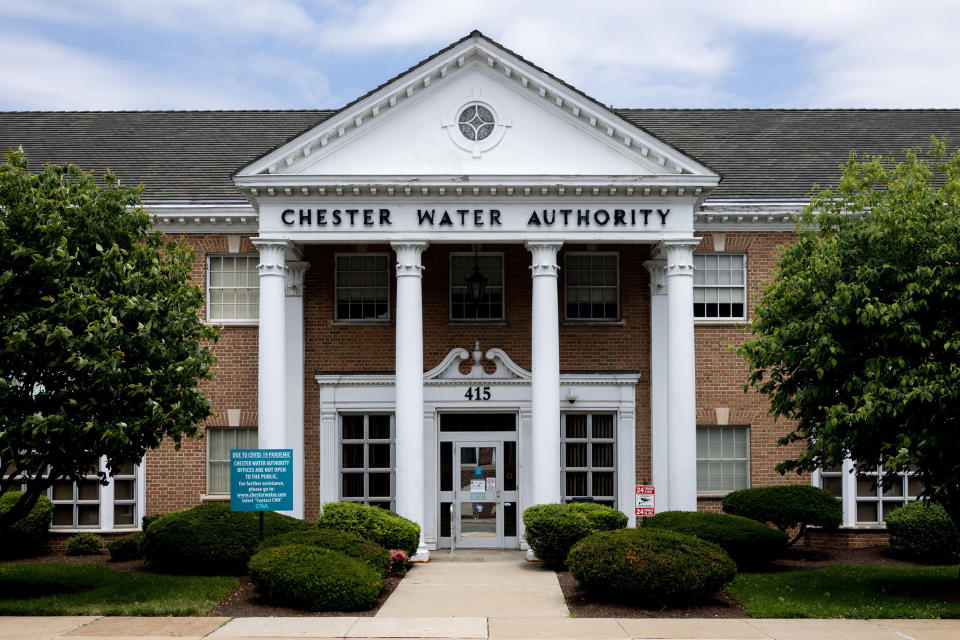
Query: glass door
{"points": [[478, 488]]}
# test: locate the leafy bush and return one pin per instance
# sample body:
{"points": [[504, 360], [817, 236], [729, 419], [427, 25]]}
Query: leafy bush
{"points": [[398, 563], [84, 544], [26, 536], [924, 531], [786, 507], [125, 547], [384, 527], [552, 529], [349, 544], [650, 565], [209, 539], [314, 578], [747, 541]]}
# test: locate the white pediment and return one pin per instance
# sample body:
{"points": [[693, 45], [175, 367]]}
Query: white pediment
{"points": [[409, 127], [504, 367]]}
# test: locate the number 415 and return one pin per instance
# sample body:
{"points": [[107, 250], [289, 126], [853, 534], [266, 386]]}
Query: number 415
{"points": [[477, 393]]}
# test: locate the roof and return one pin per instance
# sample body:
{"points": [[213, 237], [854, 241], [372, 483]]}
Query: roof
{"points": [[192, 155]]}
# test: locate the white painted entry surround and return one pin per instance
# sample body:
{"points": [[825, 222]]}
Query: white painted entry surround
{"points": [[367, 174]]}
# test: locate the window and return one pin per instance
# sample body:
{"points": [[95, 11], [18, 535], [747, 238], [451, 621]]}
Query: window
{"points": [[86, 504], [363, 286], [366, 459], [219, 443], [233, 289], [866, 499], [592, 286], [589, 458], [719, 286], [490, 304], [723, 459], [125, 496]]}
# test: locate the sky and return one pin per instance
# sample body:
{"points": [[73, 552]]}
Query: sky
{"points": [[290, 54]]}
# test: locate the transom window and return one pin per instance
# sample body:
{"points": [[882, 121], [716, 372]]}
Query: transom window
{"points": [[220, 440], [490, 304], [723, 459], [363, 286], [366, 459], [589, 458], [872, 498], [233, 288], [719, 285], [592, 286]]}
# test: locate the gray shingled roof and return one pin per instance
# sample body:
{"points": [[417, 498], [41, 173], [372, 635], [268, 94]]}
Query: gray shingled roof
{"points": [[191, 155]]}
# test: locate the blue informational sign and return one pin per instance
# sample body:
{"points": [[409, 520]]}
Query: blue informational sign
{"points": [[261, 479]]}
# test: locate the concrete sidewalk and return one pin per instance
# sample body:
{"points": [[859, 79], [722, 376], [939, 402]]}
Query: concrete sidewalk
{"points": [[472, 628]]}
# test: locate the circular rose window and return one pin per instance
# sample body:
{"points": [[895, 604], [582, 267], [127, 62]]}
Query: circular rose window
{"points": [[476, 122]]}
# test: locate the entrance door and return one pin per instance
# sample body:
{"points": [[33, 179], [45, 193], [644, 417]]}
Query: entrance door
{"points": [[478, 501]]}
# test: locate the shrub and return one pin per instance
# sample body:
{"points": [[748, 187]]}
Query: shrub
{"points": [[552, 529], [84, 544], [125, 548], [314, 578], [786, 507], [26, 536], [650, 565], [348, 544], [209, 539], [384, 527], [924, 531], [747, 541], [398, 563]]}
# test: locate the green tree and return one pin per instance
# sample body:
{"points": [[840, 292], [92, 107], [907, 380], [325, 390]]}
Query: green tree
{"points": [[101, 344], [857, 336]]}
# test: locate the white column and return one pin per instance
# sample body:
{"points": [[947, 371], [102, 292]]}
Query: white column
{"points": [[659, 363], [271, 394], [681, 376], [294, 370], [409, 388], [545, 369]]}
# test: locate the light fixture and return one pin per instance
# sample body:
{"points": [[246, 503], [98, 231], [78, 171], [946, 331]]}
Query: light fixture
{"points": [[476, 281], [571, 395]]}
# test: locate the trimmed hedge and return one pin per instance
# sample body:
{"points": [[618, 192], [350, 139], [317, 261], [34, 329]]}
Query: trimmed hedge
{"points": [[552, 529], [924, 531], [27, 536], [349, 544], [748, 542], [786, 506], [650, 565], [125, 548], [384, 527], [84, 544], [209, 539], [314, 578]]}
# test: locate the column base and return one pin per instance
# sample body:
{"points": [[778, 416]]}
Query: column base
{"points": [[531, 556], [422, 554]]}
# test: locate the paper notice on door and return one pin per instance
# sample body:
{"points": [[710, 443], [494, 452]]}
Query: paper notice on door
{"points": [[491, 484], [477, 485]]}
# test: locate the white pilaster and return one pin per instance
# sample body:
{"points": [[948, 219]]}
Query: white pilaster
{"points": [[545, 370], [409, 388], [681, 376], [271, 388], [294, 378], [659, 363]]}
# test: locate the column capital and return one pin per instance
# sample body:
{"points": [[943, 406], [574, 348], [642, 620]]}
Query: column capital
{"points": [[543, 257], [408, 257], [296, 272], [679, 256], [658, 276], [271, 256]]}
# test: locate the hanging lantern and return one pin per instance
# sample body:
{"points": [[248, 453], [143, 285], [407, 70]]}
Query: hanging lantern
{"points": [[476, 281]]}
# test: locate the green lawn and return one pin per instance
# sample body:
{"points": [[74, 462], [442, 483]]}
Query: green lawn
{"points": [[55, 589], [847, 591]]}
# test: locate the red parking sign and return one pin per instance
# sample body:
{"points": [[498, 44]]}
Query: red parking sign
{"points": [[646, 500]]}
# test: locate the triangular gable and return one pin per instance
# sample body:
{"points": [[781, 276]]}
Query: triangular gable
{"points": [[409, 126]]}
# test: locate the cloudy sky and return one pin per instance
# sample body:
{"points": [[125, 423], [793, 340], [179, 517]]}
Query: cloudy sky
{"points": [[223, 54]]}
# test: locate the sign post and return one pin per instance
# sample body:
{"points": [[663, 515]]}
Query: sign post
{"points": [[261, 480], [645, 502]]}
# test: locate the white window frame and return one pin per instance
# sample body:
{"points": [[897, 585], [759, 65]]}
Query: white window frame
{"points": [[366, 469], [206, 438], [745, 460], [849, 499], [503, 286], [589, 440], [567, 286], [106, 503], [707, 287], [209, 287], [336, 286]]}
